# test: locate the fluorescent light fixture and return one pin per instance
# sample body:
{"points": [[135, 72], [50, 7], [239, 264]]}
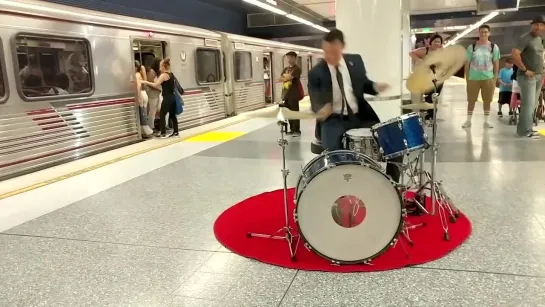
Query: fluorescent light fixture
{"points": [[471, 28], [278, 11], [266, 7], [320, 28], [299, 19]]}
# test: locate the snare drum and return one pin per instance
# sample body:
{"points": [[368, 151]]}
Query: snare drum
{"points": [[347, 211], [362, 141], [400, 136]]}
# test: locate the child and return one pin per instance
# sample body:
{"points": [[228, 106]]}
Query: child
{"points": [[506, 85]]}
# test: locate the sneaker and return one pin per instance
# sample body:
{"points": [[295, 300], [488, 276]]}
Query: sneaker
{"points": [[296, 134], [533, 135], [163, 136], [467, 124], [510, 113], [487, 125], [500, 114], [174, 135], [290, 133]]}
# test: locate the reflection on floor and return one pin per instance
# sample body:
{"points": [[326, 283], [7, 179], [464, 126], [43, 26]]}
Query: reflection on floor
{"points": [[149, 241]]}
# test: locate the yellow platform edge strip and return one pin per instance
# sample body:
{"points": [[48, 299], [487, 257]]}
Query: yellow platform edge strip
{"points": [[125, 157], [216, 136]]}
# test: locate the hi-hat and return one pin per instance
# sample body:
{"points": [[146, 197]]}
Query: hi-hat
{"points": [[421, 106], [281, 114], [446, 61]]}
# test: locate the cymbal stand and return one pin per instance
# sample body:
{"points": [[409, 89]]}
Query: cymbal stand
{"points": [[439, 199], [286, 232]]}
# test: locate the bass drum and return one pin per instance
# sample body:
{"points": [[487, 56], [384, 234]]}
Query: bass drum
{"points": [[347, 209], [326, 159]]}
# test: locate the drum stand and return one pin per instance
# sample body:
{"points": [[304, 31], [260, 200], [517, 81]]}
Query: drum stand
{"points": [[438, 195], [286, 232], [408, 226]]}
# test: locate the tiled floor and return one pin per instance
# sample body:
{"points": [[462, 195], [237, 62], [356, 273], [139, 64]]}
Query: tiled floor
{"points": [[149, 241]]}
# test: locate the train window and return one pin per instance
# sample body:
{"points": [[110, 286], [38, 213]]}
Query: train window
{"points": [[3, 89], [53, 66], [208, 66], [243, 65]]}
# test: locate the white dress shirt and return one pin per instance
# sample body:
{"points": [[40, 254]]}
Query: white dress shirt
{"points": [[348, 90]]}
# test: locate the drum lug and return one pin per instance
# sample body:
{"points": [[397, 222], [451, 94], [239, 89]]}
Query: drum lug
{"points": [[406, 144], [425, 136], [335, 263], [400, 125], [294, 215], [381, 151], [308, 247]]}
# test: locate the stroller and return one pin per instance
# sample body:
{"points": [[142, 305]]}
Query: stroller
{"points": [[514, 105]]}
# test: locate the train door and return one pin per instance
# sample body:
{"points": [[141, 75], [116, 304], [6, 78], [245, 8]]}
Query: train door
{"points": [[267, 77], [149, 53]]}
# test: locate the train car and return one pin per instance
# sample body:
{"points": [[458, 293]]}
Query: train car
{"points": [[254, 67], [67, 79]]}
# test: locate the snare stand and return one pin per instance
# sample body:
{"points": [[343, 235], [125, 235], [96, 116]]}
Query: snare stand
{"points": [[286, 230]]}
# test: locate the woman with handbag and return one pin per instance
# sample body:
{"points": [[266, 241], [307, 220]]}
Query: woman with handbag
{"points": [[166, 83]]}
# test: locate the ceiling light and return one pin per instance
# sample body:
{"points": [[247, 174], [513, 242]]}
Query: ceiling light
{"points": [[299, 19], [320, 28], [471, 28], [266, 7]]}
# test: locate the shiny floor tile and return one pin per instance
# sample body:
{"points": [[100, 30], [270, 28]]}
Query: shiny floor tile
{"points": [[414, 287], [52, 272]]}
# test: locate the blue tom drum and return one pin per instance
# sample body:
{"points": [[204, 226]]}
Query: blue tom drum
{"points": [[400, 136]]}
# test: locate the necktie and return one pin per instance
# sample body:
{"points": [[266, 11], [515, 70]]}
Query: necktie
{"points": [[341, 86]]}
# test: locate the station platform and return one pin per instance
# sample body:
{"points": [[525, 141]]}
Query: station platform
{"points": [[134, 226]]}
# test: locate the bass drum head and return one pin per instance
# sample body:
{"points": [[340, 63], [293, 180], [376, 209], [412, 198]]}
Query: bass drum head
{"points": [[337, 225]]}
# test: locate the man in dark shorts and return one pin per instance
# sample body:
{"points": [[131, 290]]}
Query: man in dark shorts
{"points": [[506, 85], [290, 90]]}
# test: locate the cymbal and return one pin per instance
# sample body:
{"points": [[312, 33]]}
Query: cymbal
{"points": [[447, 61], [421, 106]]}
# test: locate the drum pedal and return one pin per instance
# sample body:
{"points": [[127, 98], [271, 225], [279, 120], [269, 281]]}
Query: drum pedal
{"points": [[412, 207]]}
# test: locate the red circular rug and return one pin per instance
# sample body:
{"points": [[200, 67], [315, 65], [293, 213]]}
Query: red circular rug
{"points": [[264, 213]]}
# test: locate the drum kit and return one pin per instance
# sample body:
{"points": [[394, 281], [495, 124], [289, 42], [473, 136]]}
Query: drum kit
{"points": [[347, 209]]}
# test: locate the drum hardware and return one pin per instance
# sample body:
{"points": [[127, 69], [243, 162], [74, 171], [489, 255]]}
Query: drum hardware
{"points": [[287, 231], [438, 197]]}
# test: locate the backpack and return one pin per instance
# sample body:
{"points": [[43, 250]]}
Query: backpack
{"points": [[491, 49]]}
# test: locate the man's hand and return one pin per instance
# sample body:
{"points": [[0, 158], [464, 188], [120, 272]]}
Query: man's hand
{"points": [[381, 87], [530, 74]]}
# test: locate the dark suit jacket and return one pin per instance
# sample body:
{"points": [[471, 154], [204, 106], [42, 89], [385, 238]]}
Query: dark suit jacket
{"points": [[320, 88]]}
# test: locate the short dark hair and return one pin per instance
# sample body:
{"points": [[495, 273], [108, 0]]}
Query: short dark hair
{"points": [[291, 53], [509, 60], [484, 27], [334, 35]]}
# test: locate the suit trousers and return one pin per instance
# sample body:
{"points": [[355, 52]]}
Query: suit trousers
{"points": [[333, 129]]}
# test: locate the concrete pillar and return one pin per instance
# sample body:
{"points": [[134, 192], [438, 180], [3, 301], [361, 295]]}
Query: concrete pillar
{"points": [[373, 29]]}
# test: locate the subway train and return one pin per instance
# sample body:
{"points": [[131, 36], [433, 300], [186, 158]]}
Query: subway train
{"points": [[66, 79]]}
